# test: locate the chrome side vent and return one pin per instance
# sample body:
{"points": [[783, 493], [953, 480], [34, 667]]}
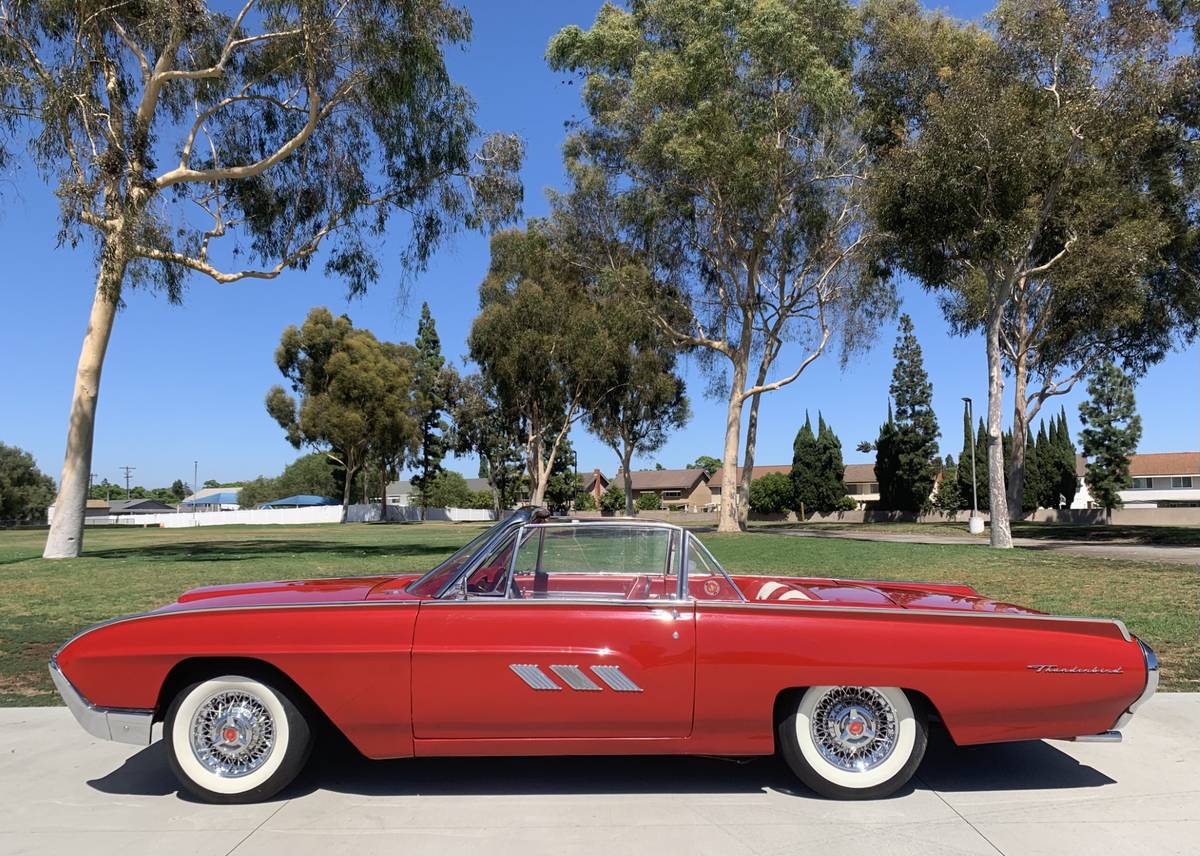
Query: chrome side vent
{"points": [[616, 679], [535, 677], [574, 677]]}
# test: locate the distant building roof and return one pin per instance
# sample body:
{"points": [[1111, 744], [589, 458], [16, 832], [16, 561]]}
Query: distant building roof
{"points": [[478, 485], [1154, 464], [854, 474], [298, 501], [665, 479], [589, 480], [138, 506], [205, 492], [227, 497], [400, 488]]}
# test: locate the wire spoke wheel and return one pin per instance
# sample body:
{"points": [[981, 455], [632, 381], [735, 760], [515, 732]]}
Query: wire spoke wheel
{"points": [[854, 728], [232, 734]]}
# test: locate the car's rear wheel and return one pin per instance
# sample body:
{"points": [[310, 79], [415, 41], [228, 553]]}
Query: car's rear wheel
{"points": [[235, 739], [853, 742]]}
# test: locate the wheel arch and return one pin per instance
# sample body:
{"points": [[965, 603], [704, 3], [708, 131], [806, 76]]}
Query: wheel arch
{"points": [[193, 669], [786, 698]]}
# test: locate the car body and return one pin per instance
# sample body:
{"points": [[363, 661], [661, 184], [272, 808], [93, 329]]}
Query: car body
{"points": [[548, 637]]}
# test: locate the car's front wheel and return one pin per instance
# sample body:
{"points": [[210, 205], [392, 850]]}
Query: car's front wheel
{"points": [[853, 742], [234, 739]]}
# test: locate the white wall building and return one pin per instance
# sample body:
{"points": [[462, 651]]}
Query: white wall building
{"points": [[1160, 480]]}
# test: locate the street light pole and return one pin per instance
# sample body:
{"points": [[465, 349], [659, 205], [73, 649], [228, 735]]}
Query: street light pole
{"points": [[975, 524]]}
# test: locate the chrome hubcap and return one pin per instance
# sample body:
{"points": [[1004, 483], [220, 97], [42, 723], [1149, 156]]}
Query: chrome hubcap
{"points": [[854, 728], [233, 734]]}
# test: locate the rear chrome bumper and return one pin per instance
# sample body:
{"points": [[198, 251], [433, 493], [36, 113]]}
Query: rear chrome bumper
{"points": [[124, 726], [1151, 685]]}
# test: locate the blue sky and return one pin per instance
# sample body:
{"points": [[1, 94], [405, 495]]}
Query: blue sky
{"points": [[185, 384]]}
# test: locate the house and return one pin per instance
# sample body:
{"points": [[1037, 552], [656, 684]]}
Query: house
{"points": [[400, 493], [118, 507], [859, 478], [679, 490], [300, 500], [1160, 480], [213, 499], [594, 483]]}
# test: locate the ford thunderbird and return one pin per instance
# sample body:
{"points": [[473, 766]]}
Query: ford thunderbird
{"points": [[559, 637]]}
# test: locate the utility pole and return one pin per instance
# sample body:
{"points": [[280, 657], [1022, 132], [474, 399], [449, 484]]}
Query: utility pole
{"points": [[128, 473], [975, 524], [195, 475]]}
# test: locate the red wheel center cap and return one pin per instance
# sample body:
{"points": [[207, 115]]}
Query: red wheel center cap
{"points": [[856, 728], [230, 734]]}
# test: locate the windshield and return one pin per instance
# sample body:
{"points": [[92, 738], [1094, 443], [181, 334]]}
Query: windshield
{"points": [[433, 582]]}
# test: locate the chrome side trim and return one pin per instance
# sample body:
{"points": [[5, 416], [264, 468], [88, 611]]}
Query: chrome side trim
{"points": [[532, 675], [1151, 687], [901, 611], [123, 726], [616, 679], [574, 677], [188, 610], [1102, 737]]}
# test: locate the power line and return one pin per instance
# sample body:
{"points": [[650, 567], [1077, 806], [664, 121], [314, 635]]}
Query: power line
{"points": [[128, 473]]}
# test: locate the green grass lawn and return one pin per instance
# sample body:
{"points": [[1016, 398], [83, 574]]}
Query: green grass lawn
{"points": [[128, 570]]}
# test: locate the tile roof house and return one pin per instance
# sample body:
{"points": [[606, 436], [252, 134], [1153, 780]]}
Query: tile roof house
{"points": [[859, 478], [1160, 480], [680, 490]]}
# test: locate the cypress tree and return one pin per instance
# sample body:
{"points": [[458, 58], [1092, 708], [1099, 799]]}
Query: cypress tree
{"points": [[982, 476], [1066, 479], [1032, 496], [916, 448], [805, 469], [886, 462], [830, 481], [964, 463]]}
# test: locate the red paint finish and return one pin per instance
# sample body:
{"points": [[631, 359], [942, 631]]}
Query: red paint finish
{"points": [[403, 676]]}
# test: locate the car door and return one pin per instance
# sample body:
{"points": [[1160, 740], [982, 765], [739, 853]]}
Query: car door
{"points": [[564, 631]]}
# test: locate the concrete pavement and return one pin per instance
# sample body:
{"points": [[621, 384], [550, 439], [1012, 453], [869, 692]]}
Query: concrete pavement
{"points": [[61, 791], [1099, 549]]}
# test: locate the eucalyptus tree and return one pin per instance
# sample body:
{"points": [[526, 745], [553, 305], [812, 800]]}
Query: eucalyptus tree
{"points": [[1040, 172], [479, 428], [644, 397], [540, 344], [183, 140], [716, 182]]}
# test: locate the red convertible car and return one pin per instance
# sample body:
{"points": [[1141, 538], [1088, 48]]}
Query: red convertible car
{"points": [[558, 637]]}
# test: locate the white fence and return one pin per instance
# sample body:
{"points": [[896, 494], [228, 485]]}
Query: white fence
{"points": [[290, 516]]}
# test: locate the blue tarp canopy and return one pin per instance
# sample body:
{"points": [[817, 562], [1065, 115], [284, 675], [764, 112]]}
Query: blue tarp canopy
{"points": [[230, 498], [298, 500]]}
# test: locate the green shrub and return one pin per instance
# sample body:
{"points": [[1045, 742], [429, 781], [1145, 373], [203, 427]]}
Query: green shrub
{"points": [[585, 502], [649, 501], [771, 494], [613, 500]]}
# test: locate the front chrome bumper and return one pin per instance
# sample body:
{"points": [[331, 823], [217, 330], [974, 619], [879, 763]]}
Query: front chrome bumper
{"points": [[124, 726]]}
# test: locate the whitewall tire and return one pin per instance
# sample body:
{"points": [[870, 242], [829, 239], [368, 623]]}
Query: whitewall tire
{"points": [[234, 739], [853, 742]]}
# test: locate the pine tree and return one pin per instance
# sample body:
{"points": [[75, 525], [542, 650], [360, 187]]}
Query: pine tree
{"points": [[916, 447], [963, 473], [805, 469], [831, 486], [431, 397], [1110, 435]]}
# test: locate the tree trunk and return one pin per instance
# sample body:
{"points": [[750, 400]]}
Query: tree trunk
{"points": [[748, 464], [65, 539], [1001, 534], [1020, 435], [729, 519], [627, 477]]}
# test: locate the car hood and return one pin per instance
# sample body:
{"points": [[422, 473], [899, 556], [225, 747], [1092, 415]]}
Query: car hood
{"points": [[285, 592]]}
